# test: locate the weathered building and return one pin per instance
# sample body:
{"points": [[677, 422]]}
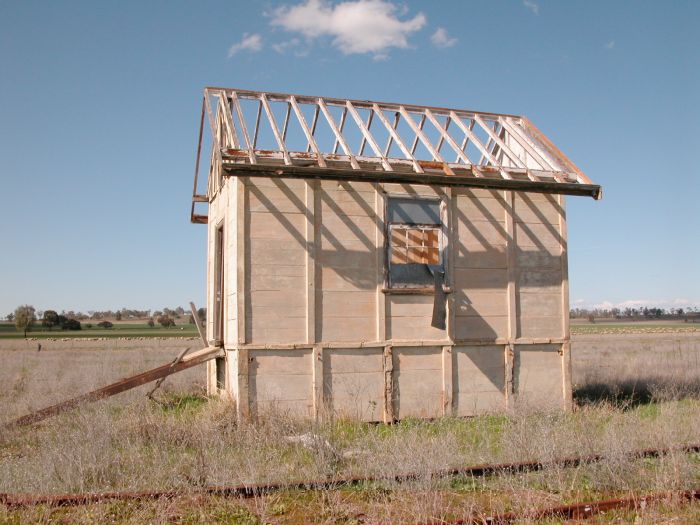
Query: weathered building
{"points": [[378, 261]]}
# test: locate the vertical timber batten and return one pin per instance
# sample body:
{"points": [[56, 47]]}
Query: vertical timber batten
{"points": [[451, 264], [509, 349], [317, 382], [241, 256], [388, 369], [242, 359], [448, 405], [311, 218], [447, 387], [379, 206]]}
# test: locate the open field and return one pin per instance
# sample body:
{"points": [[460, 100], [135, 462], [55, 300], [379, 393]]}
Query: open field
{"points": [[610, 326], [120, 329], [141, 329], [635, 366], [635, 391]]}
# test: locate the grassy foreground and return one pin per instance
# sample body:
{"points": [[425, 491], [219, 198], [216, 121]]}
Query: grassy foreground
{"points": [[186, 441]]}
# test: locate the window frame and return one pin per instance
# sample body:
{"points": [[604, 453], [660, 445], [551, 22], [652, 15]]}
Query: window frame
{"points": [[443, 243]]}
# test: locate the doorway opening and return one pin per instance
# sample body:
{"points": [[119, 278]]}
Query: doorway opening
{"points": [[219, 287]]}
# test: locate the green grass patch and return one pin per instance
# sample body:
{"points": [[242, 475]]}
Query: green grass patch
{"points": [[180, 404]]}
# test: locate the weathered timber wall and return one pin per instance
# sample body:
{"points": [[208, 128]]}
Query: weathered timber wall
{"points": [[311, 328]]}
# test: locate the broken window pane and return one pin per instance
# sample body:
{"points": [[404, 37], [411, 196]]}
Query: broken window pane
{"points": [[414, 241], [409, 210]]}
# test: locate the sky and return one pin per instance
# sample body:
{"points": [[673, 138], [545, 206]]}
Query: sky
{"points": [[99, 114]]}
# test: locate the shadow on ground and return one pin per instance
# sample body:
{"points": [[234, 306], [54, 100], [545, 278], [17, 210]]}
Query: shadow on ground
{"points": [[634, 392]]}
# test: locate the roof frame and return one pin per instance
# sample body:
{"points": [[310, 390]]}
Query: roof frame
{"points": [[514, 154]]}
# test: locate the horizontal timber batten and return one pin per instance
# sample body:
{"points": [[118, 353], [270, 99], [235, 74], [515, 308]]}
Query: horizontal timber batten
{"points": [[401, 343], [367, 104], [300, 172]]}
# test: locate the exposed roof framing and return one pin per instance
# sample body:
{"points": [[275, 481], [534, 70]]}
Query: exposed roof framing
{"points": [[281, 135]]}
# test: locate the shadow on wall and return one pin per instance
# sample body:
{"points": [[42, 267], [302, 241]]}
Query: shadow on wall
{"points": [[482, 251], [347, 257]]}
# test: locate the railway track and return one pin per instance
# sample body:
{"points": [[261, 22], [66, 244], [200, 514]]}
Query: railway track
{"points": [[254, 490], [575, 511]]}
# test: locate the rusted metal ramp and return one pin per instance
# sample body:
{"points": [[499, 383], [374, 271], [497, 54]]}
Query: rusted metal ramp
{"points": [[180, 364]]}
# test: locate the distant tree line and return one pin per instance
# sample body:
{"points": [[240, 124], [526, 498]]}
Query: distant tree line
{"points": [[124, 314], [26, 316], [631, 313]]}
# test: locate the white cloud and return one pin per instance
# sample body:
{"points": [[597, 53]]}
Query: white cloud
{"points": [[249, 42], [610, 45], [356, 27], [532, 6], [441, 38], [283, 47]]}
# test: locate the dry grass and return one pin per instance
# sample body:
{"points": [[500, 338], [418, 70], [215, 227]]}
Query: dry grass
{"points": [[130, 443], [330, 508], [32, 380], [634, 369], [149, 447]]}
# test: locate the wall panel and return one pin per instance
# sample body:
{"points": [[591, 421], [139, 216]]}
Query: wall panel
{"points": [[537, 374], [281, 382], [479, 379], [418, 383], [354, 383]]}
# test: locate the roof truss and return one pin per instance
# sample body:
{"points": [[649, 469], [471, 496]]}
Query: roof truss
{"points": [[281, 135]]}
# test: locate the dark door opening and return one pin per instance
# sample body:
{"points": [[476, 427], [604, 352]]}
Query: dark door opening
{"points": [[219, 287], [220, 373]]}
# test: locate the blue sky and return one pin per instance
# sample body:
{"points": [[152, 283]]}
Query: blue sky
{"points": [[99, 116]]}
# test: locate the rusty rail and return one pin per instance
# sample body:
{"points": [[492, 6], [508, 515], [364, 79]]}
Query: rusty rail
{"points": [[582, 510], [249, 491], [186, 362], [577, 511]]}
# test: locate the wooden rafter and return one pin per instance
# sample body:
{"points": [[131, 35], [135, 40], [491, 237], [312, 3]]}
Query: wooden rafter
{"points": [[244, 129], [367, 136], [309, 136], [394, 135], [275, 129], [420, 135], [338, 134]]}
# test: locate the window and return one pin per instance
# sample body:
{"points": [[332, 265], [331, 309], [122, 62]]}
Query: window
{"points": [[415, 243]]}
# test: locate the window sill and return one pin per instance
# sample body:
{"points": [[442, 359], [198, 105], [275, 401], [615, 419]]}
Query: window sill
{"points": [[415, 291]]}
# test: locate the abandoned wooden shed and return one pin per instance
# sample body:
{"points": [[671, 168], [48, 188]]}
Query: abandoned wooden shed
{"points": [[379, 260]]}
